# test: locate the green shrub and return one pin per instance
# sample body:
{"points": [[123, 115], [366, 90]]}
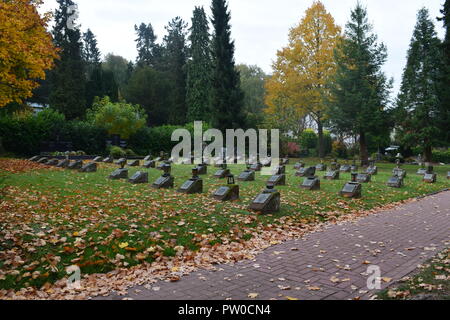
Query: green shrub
{"points": [[117, 152], [308, 139], [441, 156]]}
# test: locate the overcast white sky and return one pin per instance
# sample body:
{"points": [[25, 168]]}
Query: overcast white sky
{"points": [[259, 27]]}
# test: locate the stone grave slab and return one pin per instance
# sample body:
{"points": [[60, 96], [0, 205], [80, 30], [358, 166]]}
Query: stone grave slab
{"points": [[363, 178], [395, 182], [372, 170], [430, 178], [121, 162], [269, 201], [332, 175], [119, 174], [321, 167], [98, 159], [52, 162], [89, 167], [299, 165], [34, 159], [306, 172], [222, 173], [247, 175], [134, 163], [63, 163], [43, 160], [108, 160], [277, 180], [346, 168], [352, 190], [227, 193], [139, 177], [76, 165], [311, 183], [149, 164]]}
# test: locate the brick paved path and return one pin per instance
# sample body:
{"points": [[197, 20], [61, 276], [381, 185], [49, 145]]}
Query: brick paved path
{"points": [[396, 240]]}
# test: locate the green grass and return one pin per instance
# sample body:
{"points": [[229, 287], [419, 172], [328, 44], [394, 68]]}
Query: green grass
{"points": [[430, 283], [52, 219]]}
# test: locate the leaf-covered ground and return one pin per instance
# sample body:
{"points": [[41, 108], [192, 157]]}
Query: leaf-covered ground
{"points": [[51, 219], [431, 283]]}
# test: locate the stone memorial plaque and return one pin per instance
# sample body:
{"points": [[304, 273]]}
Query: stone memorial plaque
{"points": [[346, 168], [256, 167], [352, 190], [149, 164], [34, 159], [63, 163], [121, 161], [221, 191], [202, 169], [148, 158], [77, 165], [98, 159], [422, 172], [354, 168], [399, 172], [284, 162], [299, 165], [43, 160], [332, 175], [89, 167], [395, 182], [277, 180], [266, 163], [247, 176], [222, 174], [108, 160], [321, 167], [306, 172], [279, 170], [164, 182], [312, 183], [227, 193], [134, 163], [52, 162], [430, 178], [363, 178], [373, 170], [139, 178], [269, 201], [119, 174]]}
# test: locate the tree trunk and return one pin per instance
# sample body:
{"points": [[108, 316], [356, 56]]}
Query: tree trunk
{"points": [[321, 146], [363, 149], [428, 153]]}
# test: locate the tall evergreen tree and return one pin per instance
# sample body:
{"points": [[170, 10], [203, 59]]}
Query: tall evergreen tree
{"points": [[91, 53], [67, 80], [174, 61], [418, 101], [148, 49], [359, 90], [199, 69], [227, 96], [444, 114]]}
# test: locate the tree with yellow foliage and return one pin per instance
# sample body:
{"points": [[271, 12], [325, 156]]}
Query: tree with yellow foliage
{"points": [[303, 69], [26, 49]]}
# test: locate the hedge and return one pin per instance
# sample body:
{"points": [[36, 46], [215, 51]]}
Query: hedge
{"points": [[441, 156]]}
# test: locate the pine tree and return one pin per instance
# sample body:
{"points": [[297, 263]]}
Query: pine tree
{"points": [[227, 96], [148, 49], [359, 90], [418, 101], [68, 79], [444, 114], [91, 53], [199, 69], [174, 59]]}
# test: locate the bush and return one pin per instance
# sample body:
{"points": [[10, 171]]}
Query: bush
{"points": [[339, 150], [441, 156], [117, 152], [308, 139], [85, 136]]}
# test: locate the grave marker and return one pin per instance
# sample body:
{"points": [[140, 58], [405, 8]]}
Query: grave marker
{"points": [[108, 160], [89, 167], [352, 189], [121, 173], [34, 159], [166, 181], [269, 201], [311, 183], [43, 160], [193, 185], [306, 172], [430, 176], [230, 192], [395, 182], [98, 159], [222, 173], [332, 175], [52, 162], [247, 175], [139, 177], [76, 165], [149, 164], [134, 163], [363, 178]]}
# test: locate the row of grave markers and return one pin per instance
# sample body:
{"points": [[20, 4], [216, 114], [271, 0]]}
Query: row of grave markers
{"points": [[266, 202]]}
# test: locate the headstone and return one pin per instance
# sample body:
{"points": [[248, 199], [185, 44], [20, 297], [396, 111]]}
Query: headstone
{"points": [[398, 171], [34, 159], [98, 159], [363, 178], [121, 162], [284, 161], [222, 173], [256, 166], [149, 164], [230, 192], [279, 170], [277, 180], [202, 169], [108, 160], [139, 178], [158, 159], [311, 183], [193, 185], [354, 167], [247, 175], [266, 162], [121, 173], [89, 167], [352, 189], [430, 176], [372, 170], [395, 182], [332, 175], [76, 165], [52, 162], [43, 160], [422, 171], [321, 167], [306, 172], [335, 166], [148, 158], [299, 165], [63, 163], [269, 201], [166, 181], [346, 168], [134, 163]]}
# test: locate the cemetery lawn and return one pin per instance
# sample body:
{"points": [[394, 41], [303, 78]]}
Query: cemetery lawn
{"points": [[51, 219], [431, 283]]}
